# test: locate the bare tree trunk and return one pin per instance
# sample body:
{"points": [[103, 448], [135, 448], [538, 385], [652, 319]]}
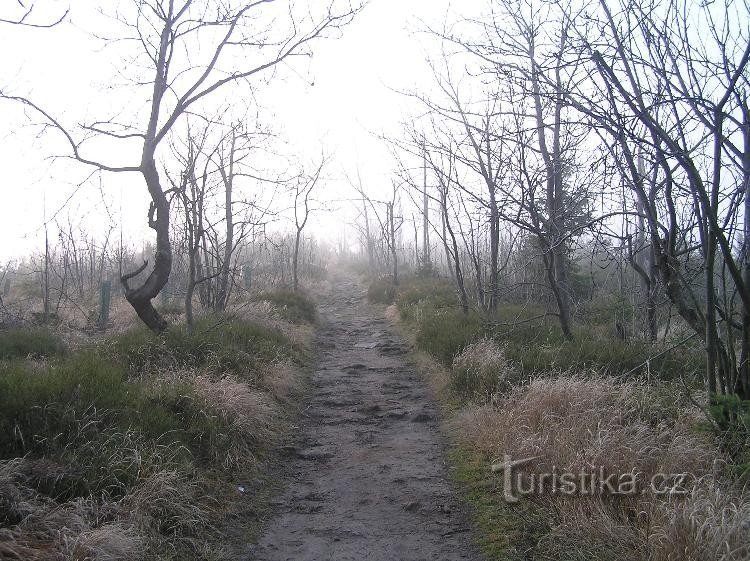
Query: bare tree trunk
{"points": [[446, 249], [369, 240], [392, 242], [426, 257], [140, 297], [295, 260], [226, 264], [494, 253], [557, 265], [46, 274], [458, 272], [743, 376]]}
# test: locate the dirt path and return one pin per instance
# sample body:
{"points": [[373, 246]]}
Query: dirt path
{"points": [[368, 479]]}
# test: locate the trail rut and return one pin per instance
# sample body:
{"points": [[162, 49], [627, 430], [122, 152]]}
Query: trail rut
{"points": [[367, 478]]}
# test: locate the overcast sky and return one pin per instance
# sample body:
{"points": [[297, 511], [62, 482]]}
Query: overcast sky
{"points": [[338, 103]]}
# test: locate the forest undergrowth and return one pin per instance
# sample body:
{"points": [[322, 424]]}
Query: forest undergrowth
{"points": [[141, 446], [649, 476]]}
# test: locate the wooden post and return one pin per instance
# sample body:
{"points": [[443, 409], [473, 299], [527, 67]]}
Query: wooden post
{"points": [[105, 298], [247, 276]]}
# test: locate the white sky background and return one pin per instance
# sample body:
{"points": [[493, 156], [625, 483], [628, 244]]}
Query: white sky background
{"points": [[65, 69]]}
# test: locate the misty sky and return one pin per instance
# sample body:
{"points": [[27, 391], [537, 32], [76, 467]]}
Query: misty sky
{"points": [[337, 103]]}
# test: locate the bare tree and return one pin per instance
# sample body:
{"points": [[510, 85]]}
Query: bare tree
{"points": [[165, 29], [681, 100], [303, 189], [24, 15]]}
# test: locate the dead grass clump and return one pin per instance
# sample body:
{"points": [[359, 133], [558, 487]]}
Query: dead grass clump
{"points": [[263, 314], [592, 529], [14, 506], [109, 542], [709, 524], [601, 427], [283, 380], [392, 314], [167, 503], [248, 414], [712, 524], [42, 534], [480, 371], [70, 532], [573, 423], [165, 510]]}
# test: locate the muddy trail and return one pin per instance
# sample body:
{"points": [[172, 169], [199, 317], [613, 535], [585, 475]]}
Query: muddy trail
{"points": [[366, 476]]}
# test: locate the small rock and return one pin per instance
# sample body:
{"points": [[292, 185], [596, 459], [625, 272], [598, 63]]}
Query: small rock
{"points": [[421, 417], [355, 366], [317, 454], [411, 506], [369, 408]]}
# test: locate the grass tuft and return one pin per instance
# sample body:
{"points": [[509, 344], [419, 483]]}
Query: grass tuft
{"points": [[481, 371], [381, 291], [34, 342], [295, 307], [445, 333]]}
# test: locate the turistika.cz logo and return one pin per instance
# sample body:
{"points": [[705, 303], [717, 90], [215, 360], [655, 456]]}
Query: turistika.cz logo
{"points": [[518, 483]]}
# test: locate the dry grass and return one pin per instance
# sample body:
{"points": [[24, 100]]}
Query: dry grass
{"points": [[166, 502], [166, 510], [134, 479], [14, 498], [265, 315], [392, 314], [283, 380], [249, 414], [573, 423], [581, 425], [109, 542], [712, 524], [481, 371], [72, 531]]}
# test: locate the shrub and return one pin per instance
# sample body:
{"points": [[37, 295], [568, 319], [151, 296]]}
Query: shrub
{"points": [[381, 291], [732, 415], [480, 371], [445, 333], [222, 343], [430, 294], [538, 349], [35, 342], [292, 306]]}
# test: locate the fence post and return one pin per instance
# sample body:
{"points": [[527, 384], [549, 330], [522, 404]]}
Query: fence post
{"points": [[105, 297], [247, 275]]}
